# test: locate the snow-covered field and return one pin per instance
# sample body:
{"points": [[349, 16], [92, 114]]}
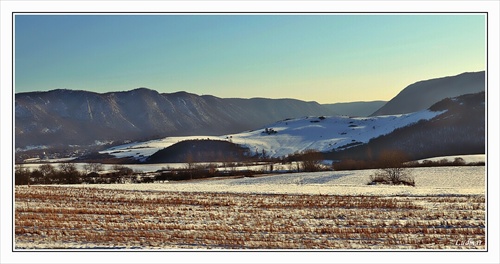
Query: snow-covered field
{"points": [[323, 210], [466, 158], [429, 181], [319, 133]]}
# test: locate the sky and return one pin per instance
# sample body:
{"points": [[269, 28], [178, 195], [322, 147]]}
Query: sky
{"points": [[327, 58]]}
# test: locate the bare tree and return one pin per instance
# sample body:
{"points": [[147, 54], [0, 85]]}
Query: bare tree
{"points": [[69, 173], [93, 167], [311, 160], [48, 172], [190, 164], [392, 169]]}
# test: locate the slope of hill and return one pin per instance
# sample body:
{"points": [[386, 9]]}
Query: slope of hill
{"points": [[291, 135], [200, 151], [421, 95], [459, 130], [356, 108], [68, 117]]}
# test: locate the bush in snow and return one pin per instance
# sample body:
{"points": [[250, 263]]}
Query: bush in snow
{"points": [[392, 170], [392, 176]]}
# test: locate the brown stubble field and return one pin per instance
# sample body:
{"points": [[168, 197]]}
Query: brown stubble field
{"points": [[53, 217]]}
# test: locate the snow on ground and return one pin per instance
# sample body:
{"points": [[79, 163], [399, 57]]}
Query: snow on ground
{"points": [[467, 158], [160, 166], [429, 181], [319, 133]]}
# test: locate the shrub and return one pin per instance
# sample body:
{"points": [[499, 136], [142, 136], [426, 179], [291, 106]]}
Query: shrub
{"points": [[392, 176], [392, 170], [459, 161]]}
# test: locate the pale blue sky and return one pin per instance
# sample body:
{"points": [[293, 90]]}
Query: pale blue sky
{"points": [[326, 58]]}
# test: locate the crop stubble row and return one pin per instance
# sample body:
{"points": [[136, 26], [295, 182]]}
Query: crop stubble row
{"points": [[67, 217]]}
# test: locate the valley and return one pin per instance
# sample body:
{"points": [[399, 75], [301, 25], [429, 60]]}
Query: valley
{"points": [[305, 211]]}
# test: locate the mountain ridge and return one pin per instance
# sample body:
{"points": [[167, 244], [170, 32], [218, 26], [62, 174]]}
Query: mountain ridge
{"points": [[358, 108], [423, 94], [82, 117]]}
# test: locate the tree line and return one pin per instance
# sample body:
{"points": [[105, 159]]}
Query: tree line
{"points": [[389, 161], [68, 173]]}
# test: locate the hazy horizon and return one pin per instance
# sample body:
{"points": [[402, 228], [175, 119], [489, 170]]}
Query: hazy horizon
{"points": [[327, 58]]}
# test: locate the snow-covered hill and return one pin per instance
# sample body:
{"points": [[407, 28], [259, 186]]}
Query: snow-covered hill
{"points": [[292, 135]]}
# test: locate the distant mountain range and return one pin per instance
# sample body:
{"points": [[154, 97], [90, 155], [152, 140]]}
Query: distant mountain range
{"points": [[60, 118], [68, 117], [423, 94], [356, 108]]}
